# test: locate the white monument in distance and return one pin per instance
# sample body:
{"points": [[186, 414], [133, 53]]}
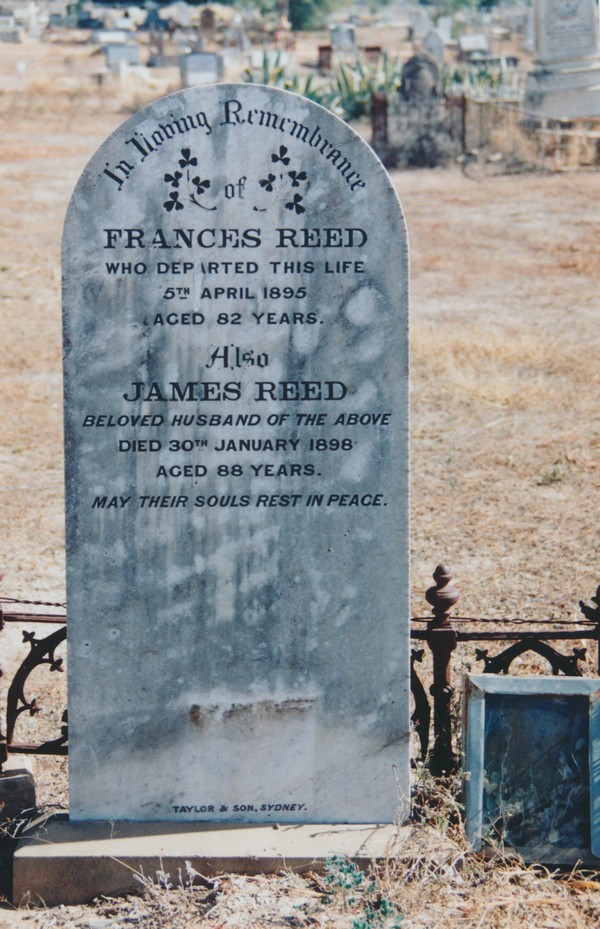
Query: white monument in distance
{"points": [[565, 81]]}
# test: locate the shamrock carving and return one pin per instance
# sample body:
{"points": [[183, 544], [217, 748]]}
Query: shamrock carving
{"points": [[186, 160], [282, 156], [173, 203], [201, 186], [295, 204], [173, 179], [296, 177], [267, 182]]}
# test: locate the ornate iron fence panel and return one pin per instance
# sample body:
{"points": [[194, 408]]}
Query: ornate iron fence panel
{"points": [[20, 700], [442, 633]]}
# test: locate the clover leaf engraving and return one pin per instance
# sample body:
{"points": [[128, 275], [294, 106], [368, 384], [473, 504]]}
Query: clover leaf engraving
{"points": [[295, 204], [200, 186], [187, 160], [267, 182], [173, 179], [296, 177], [184, 187], [173, 203], [282, 156]]}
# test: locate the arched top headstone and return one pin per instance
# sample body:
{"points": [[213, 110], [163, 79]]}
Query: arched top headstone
{"points": [[236, 373]]}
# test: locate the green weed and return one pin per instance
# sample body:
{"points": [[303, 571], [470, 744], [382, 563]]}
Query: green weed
{"points": [[345, 883]]}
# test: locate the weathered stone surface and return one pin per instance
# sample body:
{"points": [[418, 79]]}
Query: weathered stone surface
{"points": [[235, 325]]}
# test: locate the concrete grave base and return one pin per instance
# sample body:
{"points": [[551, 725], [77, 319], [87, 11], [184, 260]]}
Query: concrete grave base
{"points": [[70, 863]]}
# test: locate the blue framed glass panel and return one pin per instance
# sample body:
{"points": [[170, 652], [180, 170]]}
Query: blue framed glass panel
{"points": [[532, 763]]}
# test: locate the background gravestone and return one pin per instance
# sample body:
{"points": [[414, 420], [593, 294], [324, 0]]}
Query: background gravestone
{"points": [[119, 54], [200, 68], [235, 341], [433, 44], [343, 37], [565, 80]]}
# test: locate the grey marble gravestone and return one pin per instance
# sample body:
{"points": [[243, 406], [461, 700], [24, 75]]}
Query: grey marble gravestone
{"points": [[235, 341], [565, 80]]}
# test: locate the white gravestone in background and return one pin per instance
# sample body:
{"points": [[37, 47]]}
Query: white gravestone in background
{"points": [[565, 80], [235, 340]]}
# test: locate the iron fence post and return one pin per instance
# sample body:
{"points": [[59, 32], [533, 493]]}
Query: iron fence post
{"points": [[441, 638], [3, 742], [379, 124]]}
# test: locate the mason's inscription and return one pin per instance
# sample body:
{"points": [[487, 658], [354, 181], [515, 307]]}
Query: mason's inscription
{"points": [[240, 808]]}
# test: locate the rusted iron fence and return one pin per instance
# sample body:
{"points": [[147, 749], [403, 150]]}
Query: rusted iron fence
{"points": [[505, 137], [43, 653], [443, 632], [434, 715], [523, 138]]}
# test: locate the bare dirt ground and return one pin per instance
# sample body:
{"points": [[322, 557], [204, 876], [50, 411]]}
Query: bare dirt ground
{"points": [[505, 457]]}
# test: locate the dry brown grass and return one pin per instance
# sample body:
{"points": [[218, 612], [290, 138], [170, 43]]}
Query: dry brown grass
{"points": [[493, 365]]}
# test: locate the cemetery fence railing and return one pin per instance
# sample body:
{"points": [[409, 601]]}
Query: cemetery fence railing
{"points": [[433, 707], [43, 653], [443, 632], [486, 135]]}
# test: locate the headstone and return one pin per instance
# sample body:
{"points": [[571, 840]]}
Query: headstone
{"points": [[181, 14], [110, 37], [123, 22], [343, 37], [207, 19], [235, 326], [121, 54], [420, 79], [10, 35], [421, 23], [28, 15], [568, 29], [565, 81], [201, 68], [472, 44], [444, 28], [9, 30], [433, 44]]}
